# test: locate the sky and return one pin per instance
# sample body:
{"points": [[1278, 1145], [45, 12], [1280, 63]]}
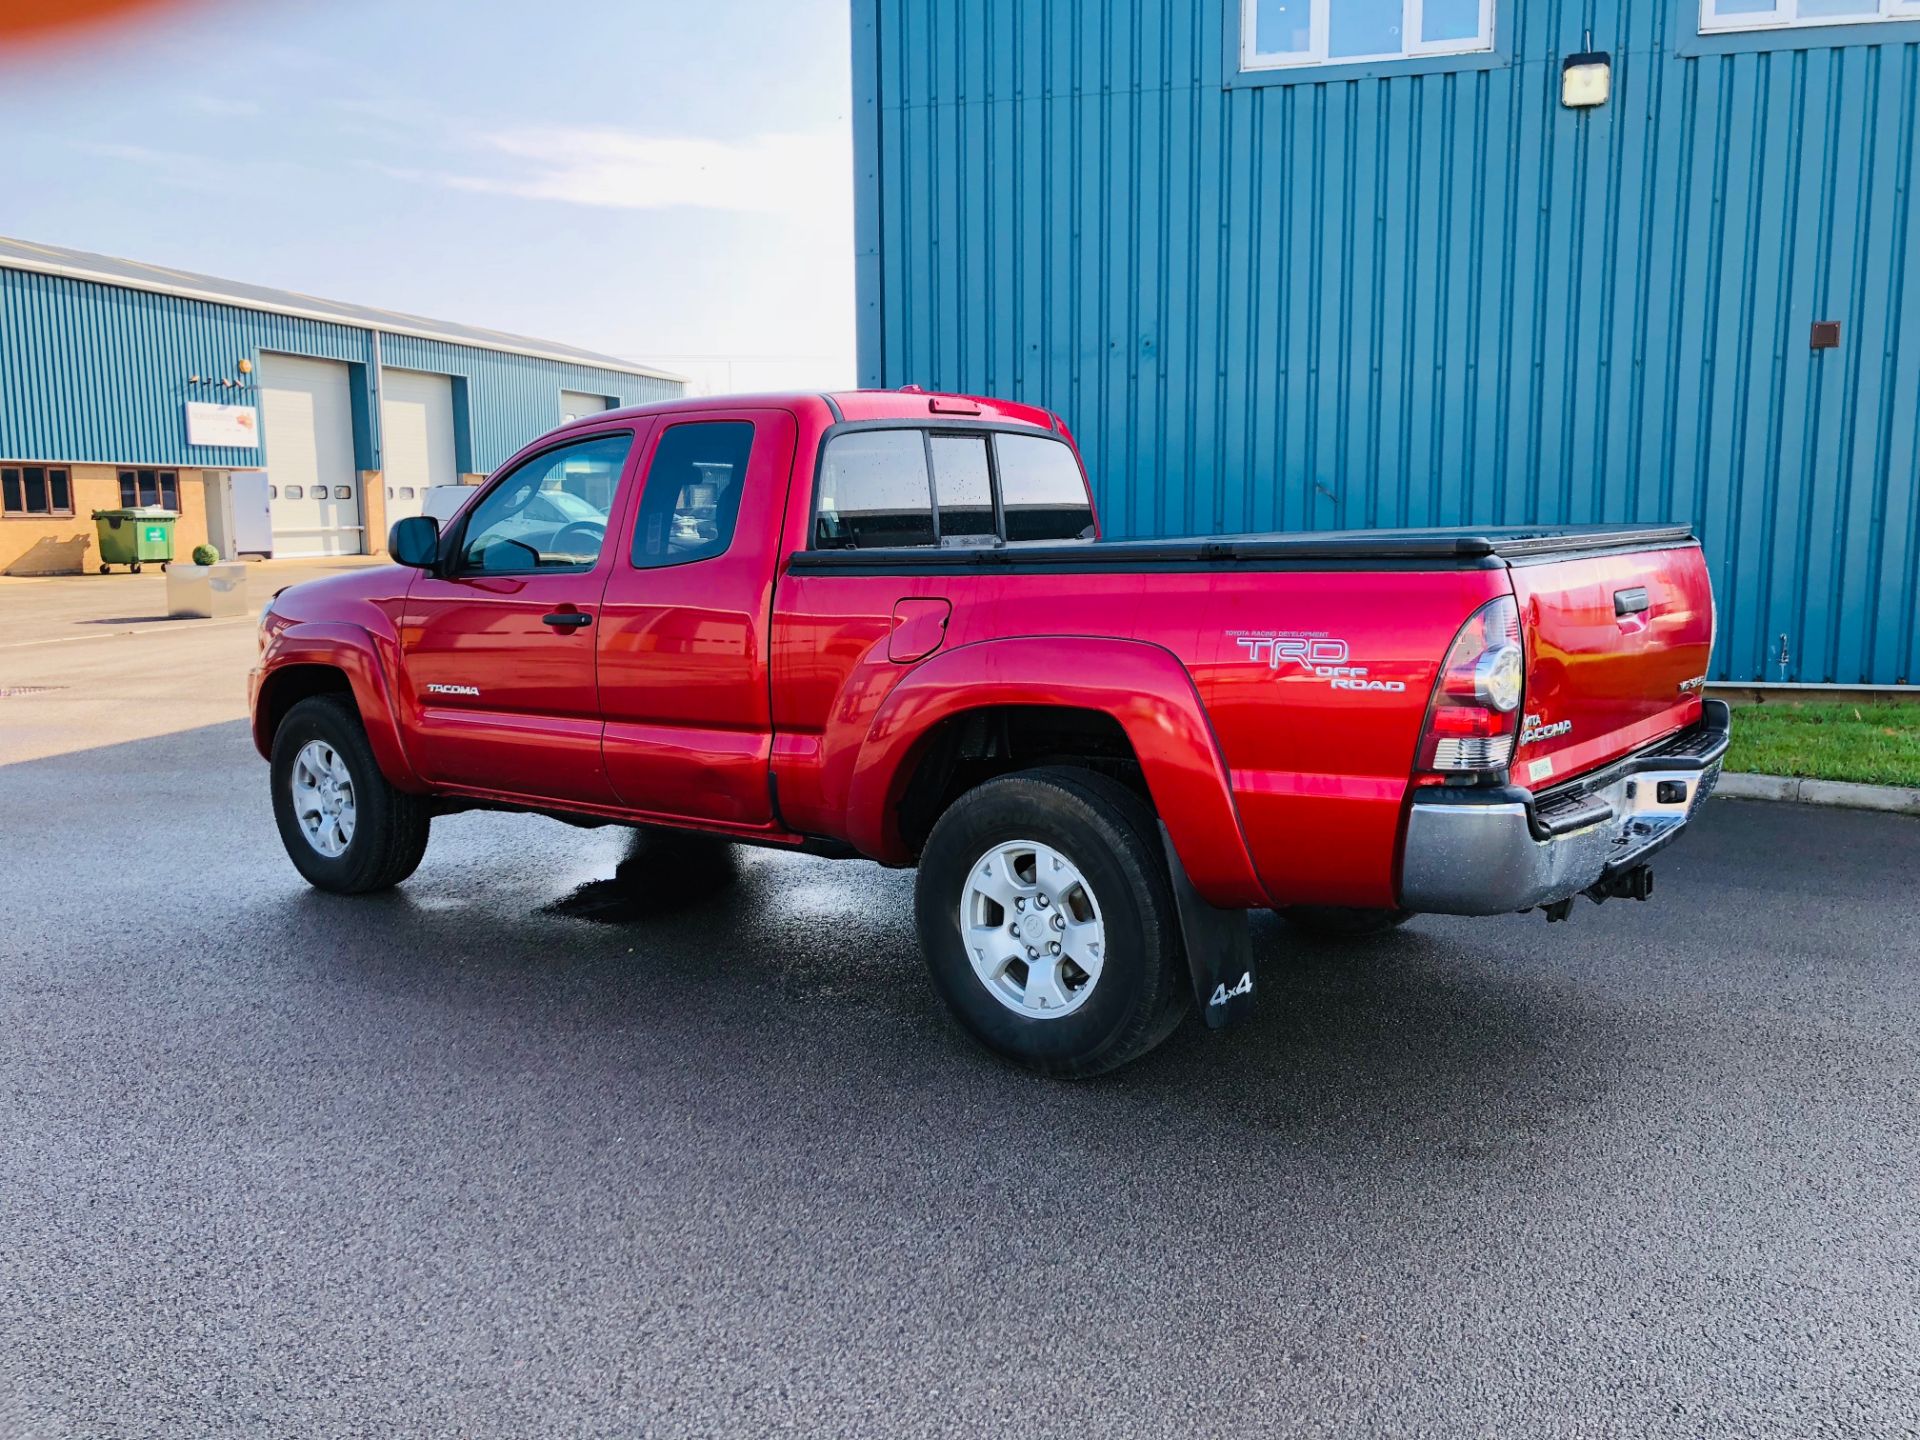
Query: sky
{"points": [[666, 182]]}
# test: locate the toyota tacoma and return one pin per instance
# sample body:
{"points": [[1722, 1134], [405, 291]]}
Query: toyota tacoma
{"points": [[884, 625]]}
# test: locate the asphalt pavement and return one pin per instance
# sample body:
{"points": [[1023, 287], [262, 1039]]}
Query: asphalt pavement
{"points": [[527, 1149]]}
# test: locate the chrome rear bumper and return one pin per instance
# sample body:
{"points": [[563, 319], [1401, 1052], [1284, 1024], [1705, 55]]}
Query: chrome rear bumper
{"points": [[1500, 849]]}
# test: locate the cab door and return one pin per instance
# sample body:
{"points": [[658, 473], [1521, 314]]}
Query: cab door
{"points": [[499, 649], [684, 623]]}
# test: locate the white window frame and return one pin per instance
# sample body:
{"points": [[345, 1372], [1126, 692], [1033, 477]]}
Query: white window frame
{"points": [[1787, 17], [1411, 27]]}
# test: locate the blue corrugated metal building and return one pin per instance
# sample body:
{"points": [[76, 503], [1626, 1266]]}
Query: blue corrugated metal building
{"points": [[1289, 264], [121, 381]]}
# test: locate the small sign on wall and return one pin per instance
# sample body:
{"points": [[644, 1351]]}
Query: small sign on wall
{"points": [[233, 427]]}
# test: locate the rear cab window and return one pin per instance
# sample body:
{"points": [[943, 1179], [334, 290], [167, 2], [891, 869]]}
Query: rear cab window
{"points": [[874, 492], [1041, 489], [888, 487]]}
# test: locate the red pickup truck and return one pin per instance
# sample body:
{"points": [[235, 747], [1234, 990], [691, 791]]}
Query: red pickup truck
{"points": [[884, 625]]}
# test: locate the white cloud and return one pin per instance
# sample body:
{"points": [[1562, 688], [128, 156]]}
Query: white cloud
{"points": [[794, 174]]}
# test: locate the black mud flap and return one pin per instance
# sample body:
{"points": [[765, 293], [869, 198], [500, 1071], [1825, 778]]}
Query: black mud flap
{"points": [[1219, 949]]}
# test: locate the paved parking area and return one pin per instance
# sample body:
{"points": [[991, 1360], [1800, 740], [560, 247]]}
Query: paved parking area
{"points": [[103, 663], [509, 1152]]}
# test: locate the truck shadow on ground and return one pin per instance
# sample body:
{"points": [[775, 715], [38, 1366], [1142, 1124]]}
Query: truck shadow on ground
{"points": [[661, 874], [1410, 1031]]}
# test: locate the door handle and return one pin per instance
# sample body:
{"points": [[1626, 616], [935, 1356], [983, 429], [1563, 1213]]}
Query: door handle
{"points": [[566, 620], [1630, 602]]}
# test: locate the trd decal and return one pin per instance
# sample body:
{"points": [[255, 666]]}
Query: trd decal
{"points": [[1307, 650], [1324, 657]]}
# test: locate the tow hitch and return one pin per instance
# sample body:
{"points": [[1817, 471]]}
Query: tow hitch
{"points": [[1633, 884]]}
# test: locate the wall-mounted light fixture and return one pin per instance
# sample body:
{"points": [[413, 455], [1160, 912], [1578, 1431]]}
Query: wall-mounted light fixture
{"points": [[246, 367], [1586, 79]]}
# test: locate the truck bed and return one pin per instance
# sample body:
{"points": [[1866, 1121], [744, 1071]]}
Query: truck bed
{"points": [[1471, 549]]}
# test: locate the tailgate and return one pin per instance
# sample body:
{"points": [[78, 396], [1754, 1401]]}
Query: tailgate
{"points": [[1617, 647]]}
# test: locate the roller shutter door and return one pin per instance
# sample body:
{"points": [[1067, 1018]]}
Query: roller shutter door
{"points": [[416, 430], [306, 414], [574, 404]]}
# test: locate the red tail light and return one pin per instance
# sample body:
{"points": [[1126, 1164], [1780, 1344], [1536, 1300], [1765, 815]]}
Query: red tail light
{"points": [[1474, 716]]}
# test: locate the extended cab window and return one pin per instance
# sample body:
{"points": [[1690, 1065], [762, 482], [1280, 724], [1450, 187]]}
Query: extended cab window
{"points": [[874, 491], [548, 514], [1042, 492], [692, 497]]}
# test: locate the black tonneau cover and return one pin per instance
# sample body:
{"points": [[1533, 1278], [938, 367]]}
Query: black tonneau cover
{"points": [[1321, 549]]}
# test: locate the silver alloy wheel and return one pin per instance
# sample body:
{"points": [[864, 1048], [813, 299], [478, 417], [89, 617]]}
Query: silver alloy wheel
{"points": [[1033, 929], [323, 799]]}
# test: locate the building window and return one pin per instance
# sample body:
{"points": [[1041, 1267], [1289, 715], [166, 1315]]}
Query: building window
{"points": [[1275, 34], [150, 487], [35, 490], [1722, 15]]}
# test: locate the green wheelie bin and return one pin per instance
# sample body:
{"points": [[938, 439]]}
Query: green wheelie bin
{"points": [[134, 535]]}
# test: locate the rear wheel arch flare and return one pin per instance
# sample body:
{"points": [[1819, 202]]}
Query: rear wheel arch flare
{"points": [[1142, 688]]}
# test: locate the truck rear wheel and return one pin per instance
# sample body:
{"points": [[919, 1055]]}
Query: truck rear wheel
{"points": [[345, 828], [1047, 920]]}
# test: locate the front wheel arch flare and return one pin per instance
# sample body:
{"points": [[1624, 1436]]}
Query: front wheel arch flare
{"points": [[355, 653]]}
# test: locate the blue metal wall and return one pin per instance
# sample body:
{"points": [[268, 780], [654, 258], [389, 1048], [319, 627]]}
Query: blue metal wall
{"points": [[93, 373], [1428, 294]]}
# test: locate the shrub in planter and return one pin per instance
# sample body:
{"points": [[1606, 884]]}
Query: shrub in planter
{"points": [[205, 555]]}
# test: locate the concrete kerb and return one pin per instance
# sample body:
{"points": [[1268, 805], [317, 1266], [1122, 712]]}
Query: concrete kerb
{"points": [[1842, 794]]}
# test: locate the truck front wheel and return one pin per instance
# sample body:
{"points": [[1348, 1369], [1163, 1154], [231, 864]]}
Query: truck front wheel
{"points": [[1047, 920], [345, 828]]}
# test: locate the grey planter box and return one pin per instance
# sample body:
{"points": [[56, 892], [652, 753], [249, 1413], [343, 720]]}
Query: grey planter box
{"points": [[206, 592]]}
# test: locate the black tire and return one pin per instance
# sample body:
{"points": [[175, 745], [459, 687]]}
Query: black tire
{"points": [[133, 569], [105, 568], [1336, 922], [1107, 832], [391, 827]]}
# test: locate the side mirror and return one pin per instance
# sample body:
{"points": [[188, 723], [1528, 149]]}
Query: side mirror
{"points": [[415, 541]]}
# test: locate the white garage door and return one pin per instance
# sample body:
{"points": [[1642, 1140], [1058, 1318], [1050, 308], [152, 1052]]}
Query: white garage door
{"points": [[307, 422], [573, 404], [416, 430]]}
